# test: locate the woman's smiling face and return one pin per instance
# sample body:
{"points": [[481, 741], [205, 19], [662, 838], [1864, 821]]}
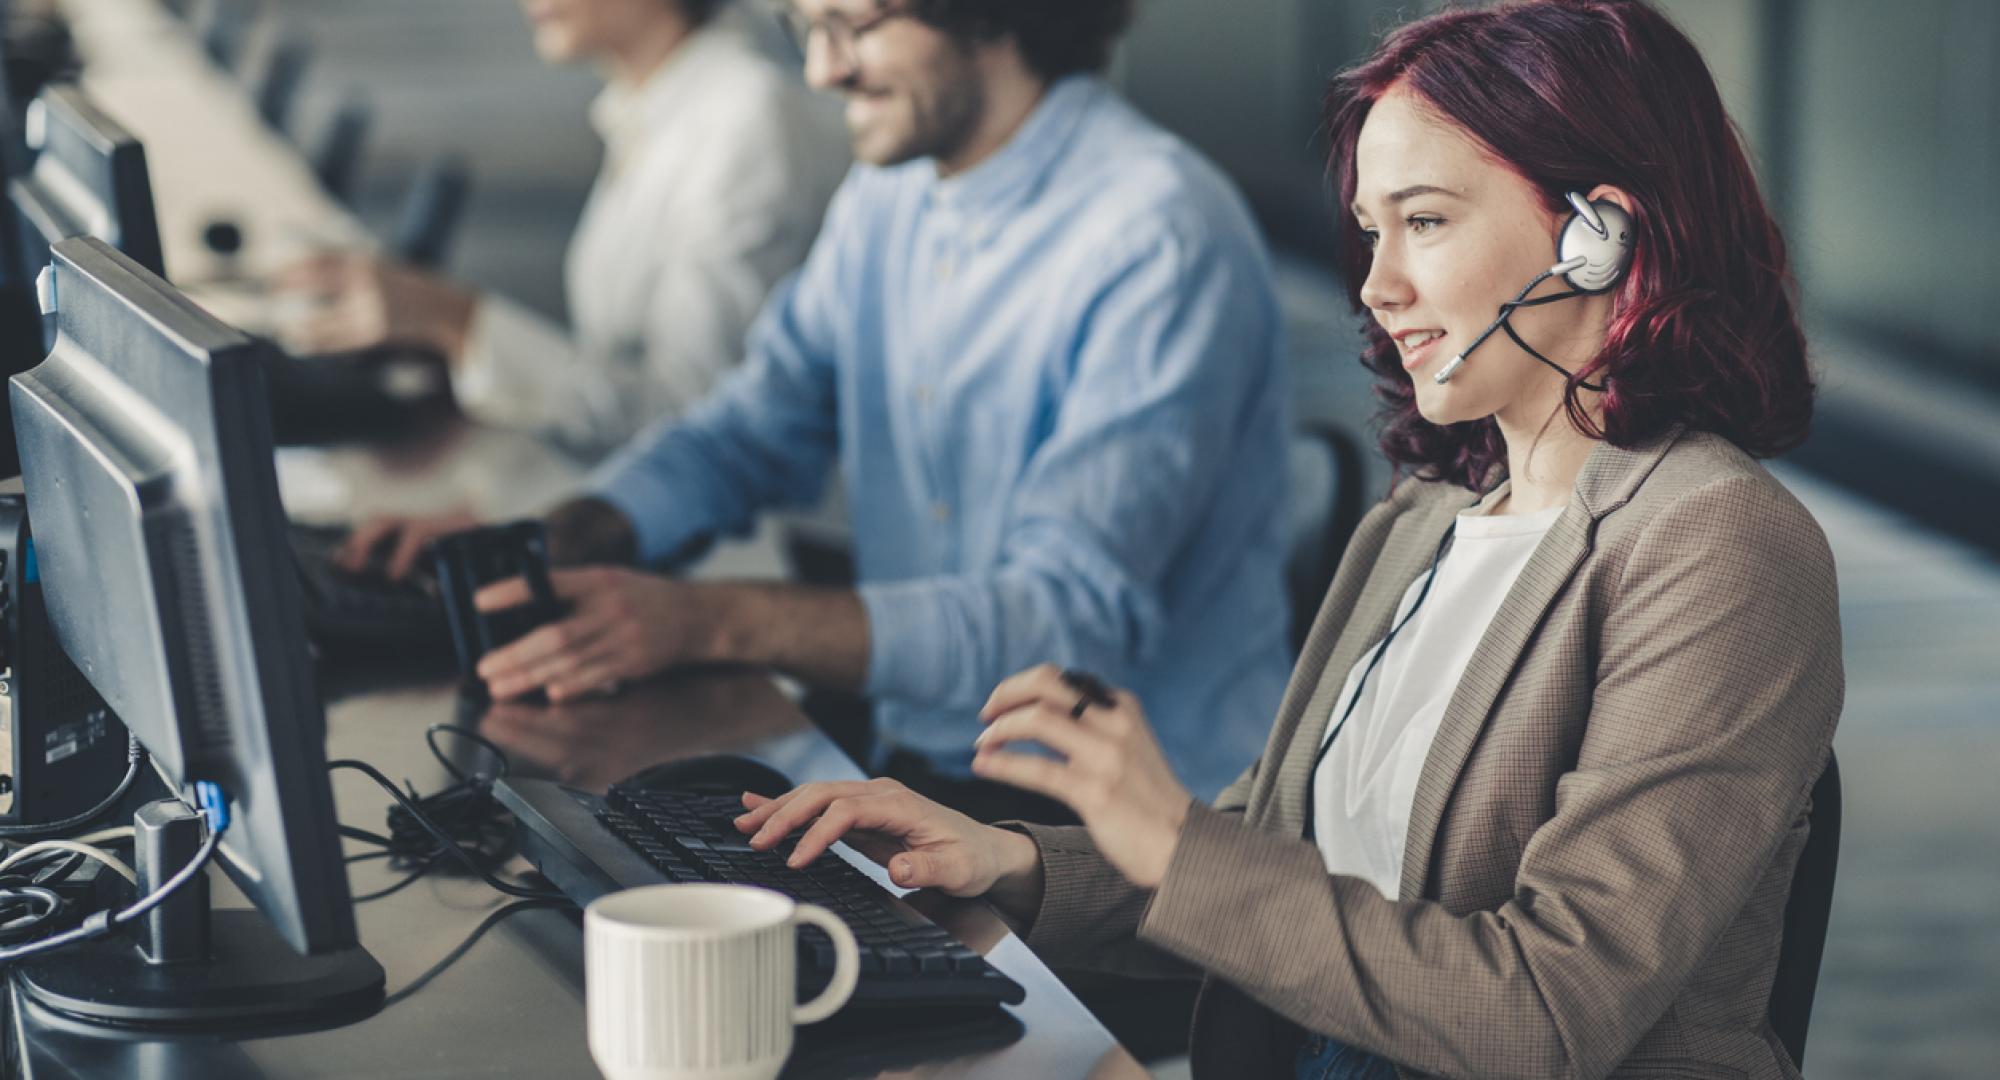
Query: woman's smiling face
{"points": [[1456, 233]]}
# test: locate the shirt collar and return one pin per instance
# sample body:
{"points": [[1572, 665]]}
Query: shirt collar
{"points": [[1017, 169], [623, 115]]}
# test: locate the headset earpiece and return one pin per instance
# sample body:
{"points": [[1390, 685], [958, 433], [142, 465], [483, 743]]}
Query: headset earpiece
{"points": [[1600, 234]]}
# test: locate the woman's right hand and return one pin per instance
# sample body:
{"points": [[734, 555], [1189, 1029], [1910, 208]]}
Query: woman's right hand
{"points": [[391, 545], [923, 844]]}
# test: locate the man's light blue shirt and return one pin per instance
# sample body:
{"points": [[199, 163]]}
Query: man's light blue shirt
{"points": [[1053, 388]]}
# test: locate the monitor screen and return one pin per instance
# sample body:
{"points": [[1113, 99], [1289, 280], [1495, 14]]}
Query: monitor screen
{"points": [[146, 453]]}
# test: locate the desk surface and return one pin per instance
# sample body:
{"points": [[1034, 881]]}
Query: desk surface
{"points": [[512, 1005]]}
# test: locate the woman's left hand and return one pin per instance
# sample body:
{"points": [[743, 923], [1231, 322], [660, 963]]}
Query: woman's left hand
{"points": [[1112, 773]]}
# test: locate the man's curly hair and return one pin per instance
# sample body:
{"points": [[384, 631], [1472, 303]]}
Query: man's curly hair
{"points": [[1056, 37], [700, 11]]}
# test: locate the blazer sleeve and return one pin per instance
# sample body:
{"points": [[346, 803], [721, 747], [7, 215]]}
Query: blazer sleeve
{"points": [[1089, 917], [1718, 685]]}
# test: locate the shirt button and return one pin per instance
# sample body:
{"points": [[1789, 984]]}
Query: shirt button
{"points": [[923, 395], [947, 268], [941, 512]]}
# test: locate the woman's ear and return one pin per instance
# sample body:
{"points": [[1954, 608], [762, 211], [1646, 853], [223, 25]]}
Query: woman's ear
{"points": [[1616, 195]]}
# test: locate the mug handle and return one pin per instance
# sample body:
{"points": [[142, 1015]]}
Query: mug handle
{"points": [[846, 965]]}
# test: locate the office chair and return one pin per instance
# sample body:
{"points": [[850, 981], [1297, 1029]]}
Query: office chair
{"points": [[431, 212], [222, 26], [336, 160], [276, 87], [1327, 501], [1806, 911]]}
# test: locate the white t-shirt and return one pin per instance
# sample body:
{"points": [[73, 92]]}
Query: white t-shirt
{"points": [[717, 172], [1363, 788]]}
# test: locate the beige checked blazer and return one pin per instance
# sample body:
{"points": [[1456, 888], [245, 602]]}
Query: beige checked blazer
{"points": [[1604, 832]]}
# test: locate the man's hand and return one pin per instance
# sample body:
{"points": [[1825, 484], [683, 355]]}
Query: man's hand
{"points": [[391, 545], [1112, 772], [360, 302], [589, 531], [623, 625]]}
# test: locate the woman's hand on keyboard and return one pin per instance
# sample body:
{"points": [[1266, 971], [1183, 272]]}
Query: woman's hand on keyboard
{"points": [[923, 844]]}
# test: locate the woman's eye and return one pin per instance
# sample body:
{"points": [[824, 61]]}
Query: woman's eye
{"points": [[1422, 225], [1370, 237]]}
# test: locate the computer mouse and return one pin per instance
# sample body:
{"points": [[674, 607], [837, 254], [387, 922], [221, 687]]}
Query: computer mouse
{"points": [[714, 774]]}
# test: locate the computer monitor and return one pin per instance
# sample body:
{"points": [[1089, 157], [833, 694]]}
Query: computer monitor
{"points": [[88, 179], [162, 549]]}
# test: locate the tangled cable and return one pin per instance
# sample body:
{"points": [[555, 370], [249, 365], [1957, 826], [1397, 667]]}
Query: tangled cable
{"points": [[463, 822]]}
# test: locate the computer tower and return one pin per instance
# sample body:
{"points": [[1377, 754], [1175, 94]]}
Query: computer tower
{"points": [[61, 748]]}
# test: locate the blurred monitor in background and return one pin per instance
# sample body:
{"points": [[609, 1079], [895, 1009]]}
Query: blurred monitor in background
{"points": [[88, 179]]}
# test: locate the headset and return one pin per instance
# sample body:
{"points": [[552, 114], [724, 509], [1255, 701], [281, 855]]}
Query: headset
{"points": [[1593, 255]]}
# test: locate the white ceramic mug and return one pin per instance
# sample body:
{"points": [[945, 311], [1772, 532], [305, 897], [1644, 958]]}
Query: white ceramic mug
{"points": [[697, 982]]}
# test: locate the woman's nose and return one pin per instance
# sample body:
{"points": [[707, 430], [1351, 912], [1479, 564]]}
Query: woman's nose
{"points": [[1386, 287]]}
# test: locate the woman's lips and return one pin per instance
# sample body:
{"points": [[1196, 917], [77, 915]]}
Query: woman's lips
{"points": [[1417, 356]]}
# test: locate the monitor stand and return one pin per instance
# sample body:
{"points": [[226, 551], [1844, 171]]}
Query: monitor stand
{"points": [[192, 970]]}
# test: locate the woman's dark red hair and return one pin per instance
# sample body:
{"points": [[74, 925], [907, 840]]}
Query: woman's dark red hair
{"points": [[1571, 94]]}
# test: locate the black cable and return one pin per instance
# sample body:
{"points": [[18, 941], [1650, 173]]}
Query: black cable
{"points": [[492, 919], [367, 837], [18, 926], [104, 922], [135, 758], [499, 756], [402, 883], [466, 811], [1521, 301], [445, 843], [1381, 650]]}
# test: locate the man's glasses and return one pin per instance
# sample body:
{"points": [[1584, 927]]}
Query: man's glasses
{"points": [[842, 33]]}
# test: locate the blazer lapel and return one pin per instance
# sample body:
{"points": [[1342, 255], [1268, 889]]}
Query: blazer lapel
{"points": [[1607, 481], [1405, 555], [1549, 569]]}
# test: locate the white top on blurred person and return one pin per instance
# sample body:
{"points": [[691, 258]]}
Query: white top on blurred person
{"points": [[718, 167]]}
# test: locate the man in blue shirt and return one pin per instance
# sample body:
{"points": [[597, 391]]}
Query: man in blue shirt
{"points": [[1038, 336]]}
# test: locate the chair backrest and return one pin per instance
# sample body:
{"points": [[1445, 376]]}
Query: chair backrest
{"points": [[336, 160], [1328, 491], [277, 83], [431, 212], [222, 27], [1806, 912]]}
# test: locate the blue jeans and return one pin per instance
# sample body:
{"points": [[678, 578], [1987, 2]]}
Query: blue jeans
{"points": [[1322, 1058]]}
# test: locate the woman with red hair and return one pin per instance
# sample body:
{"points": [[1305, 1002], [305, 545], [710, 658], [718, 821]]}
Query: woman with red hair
{"points": [[1533, 801]]}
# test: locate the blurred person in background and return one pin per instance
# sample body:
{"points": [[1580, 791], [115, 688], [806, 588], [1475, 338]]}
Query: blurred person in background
{"points": [[718, 166], [1040, 339]]}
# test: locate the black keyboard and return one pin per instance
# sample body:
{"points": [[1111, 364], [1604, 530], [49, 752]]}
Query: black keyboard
{"points": [[343, 609], [691, 837], [633, 836]]}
